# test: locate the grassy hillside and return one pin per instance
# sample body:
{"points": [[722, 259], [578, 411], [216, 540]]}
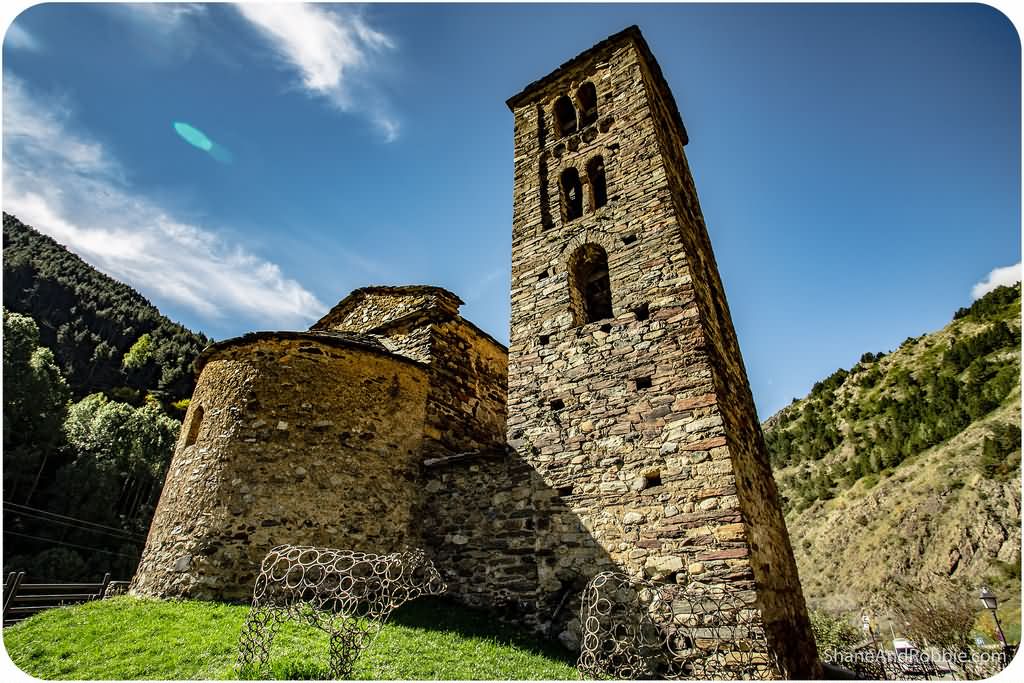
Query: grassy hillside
{"points": [[128, 638], [907, 466]]}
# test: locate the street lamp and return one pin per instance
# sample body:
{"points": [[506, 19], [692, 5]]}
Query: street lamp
{"points": [[990, 601]]}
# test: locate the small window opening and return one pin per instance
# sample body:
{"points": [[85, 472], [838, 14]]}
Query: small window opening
{"points": [[565, 116], [557, 404], [572, 194], [629, 239], [544, 339], [642, 312], [193, 426], [589, 286], [652, 479], [544, 274], [606, 328], [643, 383], [564, 491], [595, 177], [587, 97]]}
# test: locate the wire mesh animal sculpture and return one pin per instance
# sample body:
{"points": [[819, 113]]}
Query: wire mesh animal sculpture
{"points": [[347, 594], [635, 628]]}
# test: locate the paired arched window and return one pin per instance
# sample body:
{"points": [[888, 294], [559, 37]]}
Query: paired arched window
{"points": [[565, 116], [587, 97], [572, 189], [566, 119], [572, 194], [590, 291], [595, 178]]}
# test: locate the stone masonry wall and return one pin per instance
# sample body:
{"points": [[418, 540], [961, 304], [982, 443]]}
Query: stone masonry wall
{"points": [[466, 407], [281, 456], [624, 416], [504, 539], [372, 308], [482, 529], [780, 597]]}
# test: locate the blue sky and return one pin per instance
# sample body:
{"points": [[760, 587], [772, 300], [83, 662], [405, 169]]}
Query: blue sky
{"points": [[858, 165]]}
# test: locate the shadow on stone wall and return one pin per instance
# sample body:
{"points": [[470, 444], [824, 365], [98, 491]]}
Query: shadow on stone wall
{"points": [[505, 540]]}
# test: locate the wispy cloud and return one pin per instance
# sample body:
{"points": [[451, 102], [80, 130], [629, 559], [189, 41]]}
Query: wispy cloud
{"points": [[36, 130], [166, 33], [18, 38], [165, 17], [68, 186], [1007, 275], [330, 50]]}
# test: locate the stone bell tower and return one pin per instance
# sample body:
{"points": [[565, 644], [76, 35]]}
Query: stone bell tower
{"points": [[627, 390]]}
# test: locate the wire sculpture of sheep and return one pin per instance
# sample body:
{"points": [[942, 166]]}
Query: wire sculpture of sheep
{"points": [[346, 593]]}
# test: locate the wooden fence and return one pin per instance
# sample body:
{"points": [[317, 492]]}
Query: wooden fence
{"points": [[22, 600]]}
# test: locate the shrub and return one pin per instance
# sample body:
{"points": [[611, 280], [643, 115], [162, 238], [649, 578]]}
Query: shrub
{"points": [[832, 632]]}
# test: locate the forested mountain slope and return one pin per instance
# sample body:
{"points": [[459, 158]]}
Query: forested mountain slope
{"points": [[907, 466], [94, 379], [91, 322]]}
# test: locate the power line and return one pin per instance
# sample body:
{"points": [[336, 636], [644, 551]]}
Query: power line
{"points": [[71, 545], [117, 534], [123, 535], [25, 509]]}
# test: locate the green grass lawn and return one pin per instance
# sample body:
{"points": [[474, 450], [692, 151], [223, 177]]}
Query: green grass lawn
{"points": [[129, 638]]}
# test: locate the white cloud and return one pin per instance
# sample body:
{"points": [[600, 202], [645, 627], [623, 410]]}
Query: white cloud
{"points": [[1007, 275], [35, 129], [164, 17], [331, 52], [166, 33], [18, 38], [68, 186]]}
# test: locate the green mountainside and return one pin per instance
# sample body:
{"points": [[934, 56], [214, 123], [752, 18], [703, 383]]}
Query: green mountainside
{"points": [[906, 468], [105, 336], [94, 379]]}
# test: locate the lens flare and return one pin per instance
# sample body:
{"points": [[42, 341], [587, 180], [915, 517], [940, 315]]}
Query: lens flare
{"points": [[221, 153], [193, 136], [199, 139]]}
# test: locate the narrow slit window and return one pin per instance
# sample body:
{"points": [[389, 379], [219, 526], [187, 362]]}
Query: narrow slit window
{"points": [[590, 288], [587, 98], [193, 426], [572, 194], [596, 180], [565, 116]]}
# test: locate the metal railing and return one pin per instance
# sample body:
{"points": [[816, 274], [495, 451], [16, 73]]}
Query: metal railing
{"points": [[22, 600]]}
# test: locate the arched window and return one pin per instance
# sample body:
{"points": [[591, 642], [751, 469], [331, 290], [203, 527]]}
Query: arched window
{"points": [[565, 116], [587, 97], [590, 291], [572, 194], [595, 177], [193, 426]]}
